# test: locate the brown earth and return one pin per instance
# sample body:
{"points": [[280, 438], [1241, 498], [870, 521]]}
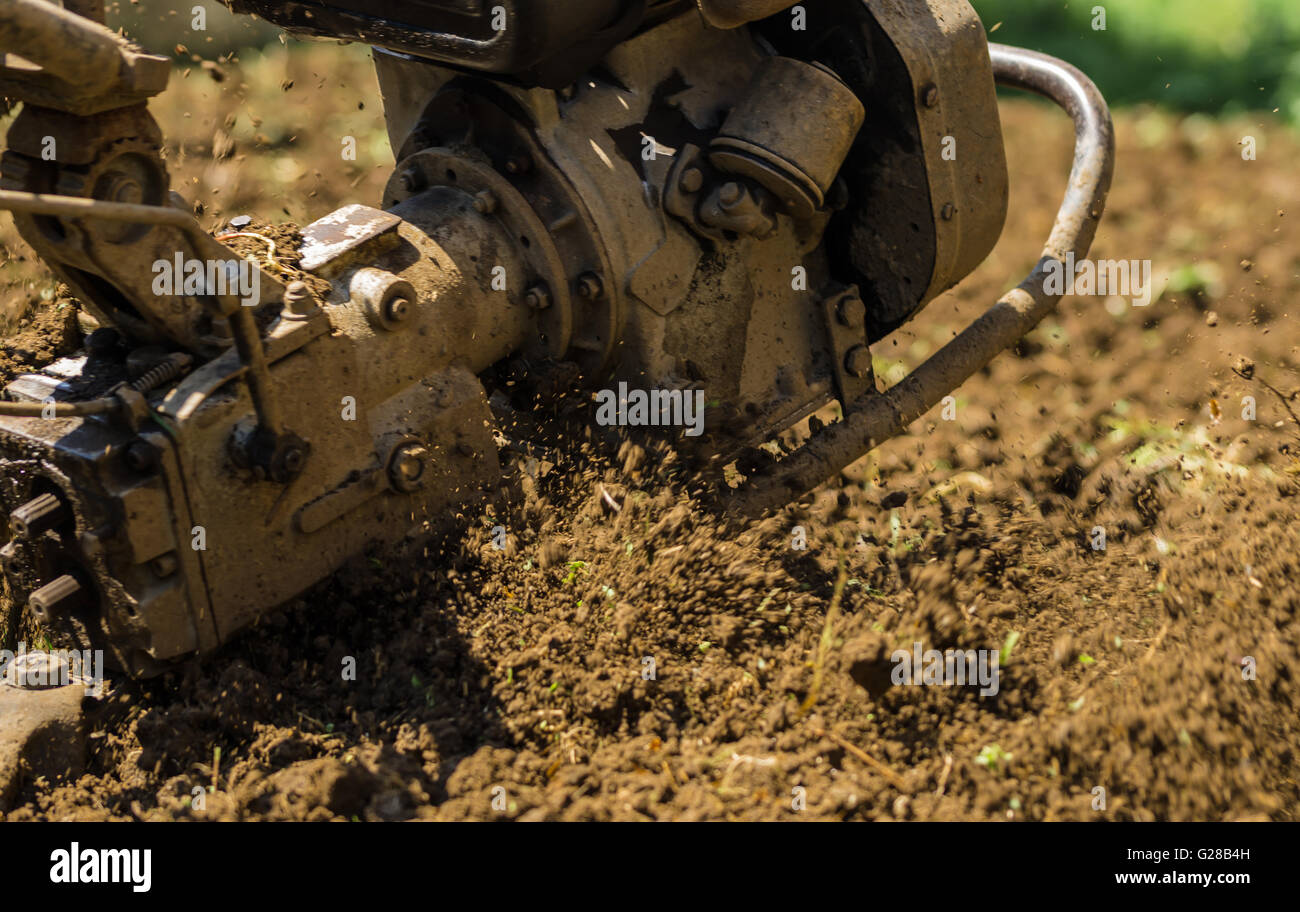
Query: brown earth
{"points": [[514, 684]]}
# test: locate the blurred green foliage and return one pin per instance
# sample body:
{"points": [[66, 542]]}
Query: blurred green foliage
{"points": [[1213, 56]]}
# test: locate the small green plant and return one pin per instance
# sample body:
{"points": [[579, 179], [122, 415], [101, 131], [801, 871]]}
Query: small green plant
{"points": [[1004, 654], [993, 758], [576, 568]]}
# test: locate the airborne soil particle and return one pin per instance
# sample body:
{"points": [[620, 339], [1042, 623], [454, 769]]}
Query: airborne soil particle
{"points": [[651, 663]]}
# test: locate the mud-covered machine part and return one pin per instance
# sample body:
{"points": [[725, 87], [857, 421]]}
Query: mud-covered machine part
{"points": [[726, 196]]}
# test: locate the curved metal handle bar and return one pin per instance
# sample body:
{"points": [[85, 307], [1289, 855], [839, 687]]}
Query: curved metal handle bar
{"points": [[879, 416]]}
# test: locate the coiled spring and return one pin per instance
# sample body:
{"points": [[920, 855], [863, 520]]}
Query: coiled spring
{"points": [[167, 369]]}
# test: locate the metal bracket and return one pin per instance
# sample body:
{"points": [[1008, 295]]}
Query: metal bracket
{"points": [[846, 330]]}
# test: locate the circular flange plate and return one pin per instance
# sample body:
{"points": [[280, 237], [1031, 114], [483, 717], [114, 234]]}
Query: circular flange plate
{"points": [[442, 167]]}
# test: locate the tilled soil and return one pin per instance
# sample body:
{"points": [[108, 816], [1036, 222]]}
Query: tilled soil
{"points": [[628, 656]]}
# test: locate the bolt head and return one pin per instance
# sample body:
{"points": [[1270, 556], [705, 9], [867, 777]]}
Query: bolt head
{"points": [[692, 180], [297, 299], [411, 180], [406, 469], [730, 193], [857, 362], [538, 297], [485, 202], [397, 309], [142, 456], [293, 460], [589, 286], [851, 312]]}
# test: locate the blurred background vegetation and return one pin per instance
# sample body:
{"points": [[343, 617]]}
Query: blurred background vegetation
{"points": [[1210, 56]]}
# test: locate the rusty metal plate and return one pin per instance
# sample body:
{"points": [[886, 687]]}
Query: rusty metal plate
{"points": [[328, 242]]}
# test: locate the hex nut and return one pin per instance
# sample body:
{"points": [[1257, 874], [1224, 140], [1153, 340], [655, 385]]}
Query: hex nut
{"points": [[376, 292], [857, 362], [298, 301], [851, 312], [590, 287], [407, 466], [538, 297], [412, 180]]}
